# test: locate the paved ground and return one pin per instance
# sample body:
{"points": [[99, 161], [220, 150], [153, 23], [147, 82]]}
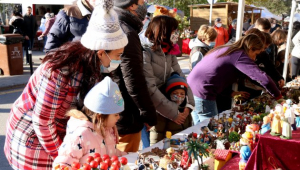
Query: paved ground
{"points": [[11, 88]]}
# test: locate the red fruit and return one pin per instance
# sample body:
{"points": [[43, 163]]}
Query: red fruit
{"points": [[98, 160], [114, 158], [76, 165], [195, 135], [117, 163], [123, 160], [86, 167], [103, 166], [108, 161], [96, 155], [94, 164], [89, 159], [114, 167], [105, 157]]}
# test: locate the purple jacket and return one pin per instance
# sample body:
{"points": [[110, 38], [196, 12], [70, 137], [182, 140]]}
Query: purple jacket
{"points": [[212, 75]]}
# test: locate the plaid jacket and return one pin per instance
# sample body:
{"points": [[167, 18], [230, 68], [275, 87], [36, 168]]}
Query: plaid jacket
{"points": [[37, 122]]}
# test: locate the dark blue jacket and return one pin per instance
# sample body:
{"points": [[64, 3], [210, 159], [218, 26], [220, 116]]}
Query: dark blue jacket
{"points": [[69, 25]]}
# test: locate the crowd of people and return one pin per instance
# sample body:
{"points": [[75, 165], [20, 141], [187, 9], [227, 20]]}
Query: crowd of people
{"points": [[107, 80]]}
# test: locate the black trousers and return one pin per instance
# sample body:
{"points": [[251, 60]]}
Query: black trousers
{"points": [[28, 44]]}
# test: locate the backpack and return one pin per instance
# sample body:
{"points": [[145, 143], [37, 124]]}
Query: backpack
{"points": [[202, 50]]}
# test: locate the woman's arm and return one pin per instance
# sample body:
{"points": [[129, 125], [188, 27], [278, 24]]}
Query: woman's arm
{"points": [[164, 106], [52, 93]]}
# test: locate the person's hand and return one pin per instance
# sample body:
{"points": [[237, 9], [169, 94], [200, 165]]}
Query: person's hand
{"points": [[26, 37], [147, 126], [180, 119], [244, 94], [281, 83], [186, 112]]}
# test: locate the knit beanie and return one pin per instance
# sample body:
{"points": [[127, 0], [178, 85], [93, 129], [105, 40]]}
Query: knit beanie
{"points": [[105, 98], [174, 82], [125, 3], [104, 31]]}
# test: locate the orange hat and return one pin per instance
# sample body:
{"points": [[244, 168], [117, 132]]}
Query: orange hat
{"points": [[247, 135], [160, 10]]}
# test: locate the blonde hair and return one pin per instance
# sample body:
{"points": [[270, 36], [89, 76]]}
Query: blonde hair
{"points": [[98, 120], [207, 33]]}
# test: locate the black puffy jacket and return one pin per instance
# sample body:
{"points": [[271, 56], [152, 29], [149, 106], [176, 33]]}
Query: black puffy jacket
{"points": [[130, 77]]}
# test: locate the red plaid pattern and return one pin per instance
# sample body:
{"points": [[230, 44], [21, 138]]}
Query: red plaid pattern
{"points": [[37, 122], [221, 154]]}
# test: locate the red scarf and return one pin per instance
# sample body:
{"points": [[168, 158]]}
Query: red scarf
{"points": [[165, 47]]}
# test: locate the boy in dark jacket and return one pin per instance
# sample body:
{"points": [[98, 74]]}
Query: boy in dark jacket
{"points": [[70, 24], [139, 109]]}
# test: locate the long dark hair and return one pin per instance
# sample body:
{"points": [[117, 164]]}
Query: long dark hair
{"points": [[76, 57], [160, 29]]}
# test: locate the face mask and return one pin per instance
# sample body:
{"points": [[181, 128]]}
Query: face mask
{"points": [[212, 44], [219, 25], [114, 64], [141, 11], [177, 99], [174, 37]]}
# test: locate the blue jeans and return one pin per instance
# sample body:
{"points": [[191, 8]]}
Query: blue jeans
{"points": [[28, 44], [145, 137], [203, 109]]}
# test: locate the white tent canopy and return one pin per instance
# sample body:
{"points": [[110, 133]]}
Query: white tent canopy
{"points": [[296, 18], [265, 13]]}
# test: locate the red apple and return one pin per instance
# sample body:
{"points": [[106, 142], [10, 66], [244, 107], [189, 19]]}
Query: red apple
{"points": [[103, 166], [86, 167], [123, 160], [116, 163], [114, 167], [98, 160], [94, 164], [76, 165], [89, 159], [104, 157], [114, 158], [96, 155], [108, 161]]}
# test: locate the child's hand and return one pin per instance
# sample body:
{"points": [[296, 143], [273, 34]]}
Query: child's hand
{"points": [[186, 112], [180, 119]]}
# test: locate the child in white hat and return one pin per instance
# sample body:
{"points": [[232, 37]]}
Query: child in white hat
{"points": [[93, 129]]}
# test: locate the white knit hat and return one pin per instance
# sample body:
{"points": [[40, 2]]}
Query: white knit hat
{"points": [[105, 98], [104, 31]]}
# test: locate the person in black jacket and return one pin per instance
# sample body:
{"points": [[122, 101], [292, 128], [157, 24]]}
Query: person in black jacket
{"points": [[70, 24], [17, 23], [30, 29], [139, 109]]}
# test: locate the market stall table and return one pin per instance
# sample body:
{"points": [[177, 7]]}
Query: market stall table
{"points": [[272, 152]]}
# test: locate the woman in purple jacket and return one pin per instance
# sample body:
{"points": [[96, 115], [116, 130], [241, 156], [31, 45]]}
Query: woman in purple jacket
{"points": [[220, 68]]}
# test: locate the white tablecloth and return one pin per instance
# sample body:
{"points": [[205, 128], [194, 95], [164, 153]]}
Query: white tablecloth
{"points": [[132, 157]]}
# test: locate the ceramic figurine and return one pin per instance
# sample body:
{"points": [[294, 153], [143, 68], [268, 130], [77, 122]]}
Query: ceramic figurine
{"points": [[276, 126], [279, 109], [266, 125], [245, 153], [297, 114], [249, 137], [286, 129], [290, 115], [166, 141]]}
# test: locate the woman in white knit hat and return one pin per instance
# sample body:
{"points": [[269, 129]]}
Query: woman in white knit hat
{"points": [[37, 122]]}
